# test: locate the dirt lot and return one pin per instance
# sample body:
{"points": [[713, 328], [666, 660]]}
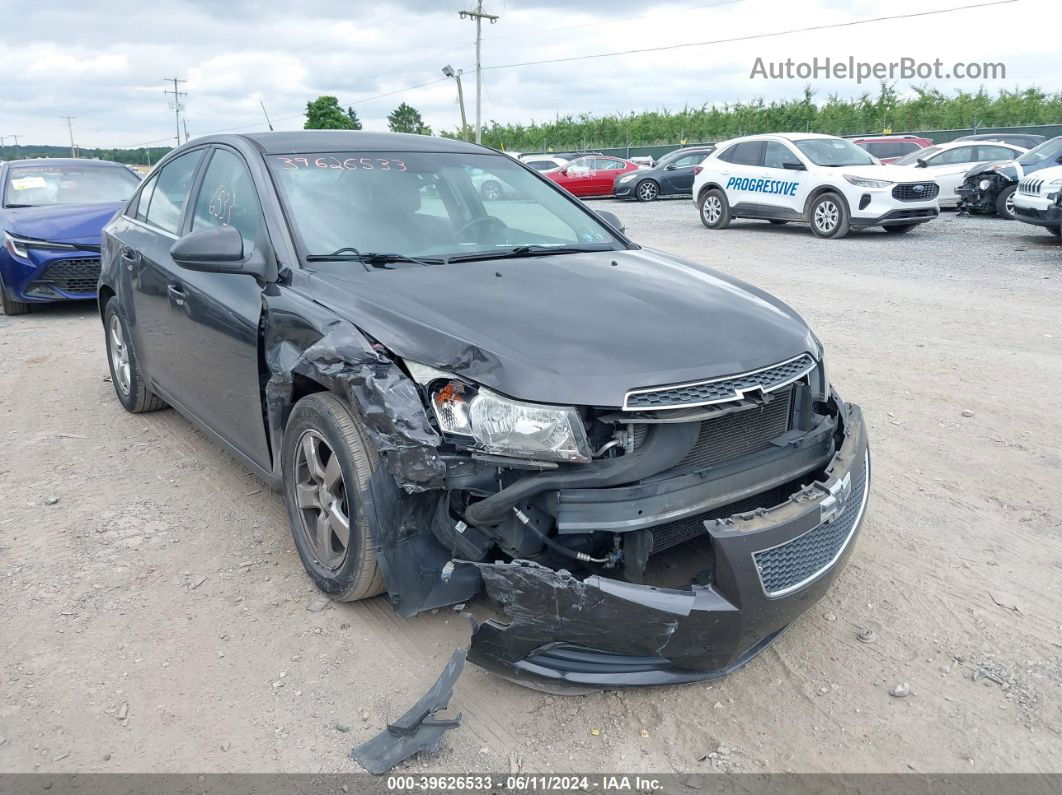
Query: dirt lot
{"points": [[157, 618]]}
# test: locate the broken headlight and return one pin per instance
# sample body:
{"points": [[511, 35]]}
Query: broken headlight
{"points": [[499, 425]]}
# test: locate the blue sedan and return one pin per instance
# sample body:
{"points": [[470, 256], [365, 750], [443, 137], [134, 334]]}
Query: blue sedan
{"points": [[52, 212]]}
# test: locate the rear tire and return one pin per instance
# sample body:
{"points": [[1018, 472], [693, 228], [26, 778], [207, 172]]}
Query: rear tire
{"points": [[12, 307], [1056, 231], [900, 228], [714, 209], [325, 449], [1005, 203], [647, 190], [126, 377], [829, 216]]}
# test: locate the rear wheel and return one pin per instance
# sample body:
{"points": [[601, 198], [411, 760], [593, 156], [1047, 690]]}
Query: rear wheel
{"points": [[829, 216], [327, 461], [1005, 203], [126, 378], [12, 307], [647, 190], [715, 211], [900, 229], [1055, 230]]}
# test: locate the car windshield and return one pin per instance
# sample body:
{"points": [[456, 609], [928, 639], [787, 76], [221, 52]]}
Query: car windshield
{"points": [[33, 186], [428, 205], [913, 157], [833, 152], [1048, 150]]}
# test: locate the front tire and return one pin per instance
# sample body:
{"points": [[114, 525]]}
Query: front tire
{"points": [[714, 209], [126, 376], [327, 461], [900, 229], [1005, 202], [647, 190], [12, 307], [829, 216], [1056, 231]]}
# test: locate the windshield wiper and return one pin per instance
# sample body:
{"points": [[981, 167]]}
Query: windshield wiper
{"points": [[376, 259], [530, 250], [13, 206]]}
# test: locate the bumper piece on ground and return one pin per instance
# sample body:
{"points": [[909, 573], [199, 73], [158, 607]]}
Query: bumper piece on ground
{"points": [[418, 729], [769, 567]]}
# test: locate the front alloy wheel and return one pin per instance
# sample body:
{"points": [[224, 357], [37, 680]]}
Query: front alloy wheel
{"points": [[829, 216], [119, 352], [129, 384], [647, 191], [321, 494]]}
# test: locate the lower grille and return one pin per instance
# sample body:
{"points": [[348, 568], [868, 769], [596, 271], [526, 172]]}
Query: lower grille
{"points": [[916, 191], [678, 532], [79, 276], [789, 565], [578, 659], [734, 435]]}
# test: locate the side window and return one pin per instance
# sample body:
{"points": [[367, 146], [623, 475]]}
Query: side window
{"points": [[144, 199], [171, 192], [581, 166], [606, 164], [995, 153], [748, 154], [228, 198], [689, 161], [777, 155], [960, 154]]}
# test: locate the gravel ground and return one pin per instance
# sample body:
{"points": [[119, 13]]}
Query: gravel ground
{"points": [[157, 617]]}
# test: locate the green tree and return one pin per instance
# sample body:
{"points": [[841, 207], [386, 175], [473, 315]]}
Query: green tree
{"points": [[324, 113], [355, 122], [406, 119]]}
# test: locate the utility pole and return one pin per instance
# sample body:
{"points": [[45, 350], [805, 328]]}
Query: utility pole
{"points": [[449, 71], [16, 137], [70, 126], [264, 113], [479, 16], [178, 106]]}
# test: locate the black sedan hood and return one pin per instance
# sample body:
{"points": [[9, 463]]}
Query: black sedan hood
{"points": [[578, 329]]}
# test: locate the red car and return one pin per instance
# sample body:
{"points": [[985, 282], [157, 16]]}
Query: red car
{"points": [[591, 176], [887, 148]]}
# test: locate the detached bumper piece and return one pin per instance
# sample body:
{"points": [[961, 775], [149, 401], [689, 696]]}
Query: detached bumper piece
{"points": [[768, 567]]}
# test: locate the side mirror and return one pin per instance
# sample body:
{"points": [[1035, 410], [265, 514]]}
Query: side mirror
{"points": [[218, 250], [792, 165], [670, 167], [921, 163], [1058, 159], [612, 220]]}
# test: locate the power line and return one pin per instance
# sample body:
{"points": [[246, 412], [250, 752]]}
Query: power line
{"points": [[70, 127], [752, 36]]}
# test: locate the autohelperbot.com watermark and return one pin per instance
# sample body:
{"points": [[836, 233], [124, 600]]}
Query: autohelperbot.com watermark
{"points": [[849, 68]]}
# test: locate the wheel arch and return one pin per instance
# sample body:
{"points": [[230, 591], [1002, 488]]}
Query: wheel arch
{"points": [[707, 186], [819, 191]]}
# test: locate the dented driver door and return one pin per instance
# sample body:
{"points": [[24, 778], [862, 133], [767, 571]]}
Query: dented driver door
{"points": [[216, 316]]}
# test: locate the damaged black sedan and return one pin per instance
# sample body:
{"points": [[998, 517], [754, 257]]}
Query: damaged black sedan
{"points": [[638, 459]]}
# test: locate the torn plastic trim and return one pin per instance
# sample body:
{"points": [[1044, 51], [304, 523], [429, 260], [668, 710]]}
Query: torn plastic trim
{"points": [[417, 729]]}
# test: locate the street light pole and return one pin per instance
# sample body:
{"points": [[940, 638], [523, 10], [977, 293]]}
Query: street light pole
{"points": [[449, 71]]}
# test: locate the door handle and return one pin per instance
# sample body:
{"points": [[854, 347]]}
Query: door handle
{"points": [[177, 293], [130, 257]]}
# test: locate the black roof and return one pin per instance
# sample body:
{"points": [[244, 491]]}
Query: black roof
{"points": [[273, 143]]}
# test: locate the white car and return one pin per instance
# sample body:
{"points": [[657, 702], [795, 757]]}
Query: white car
{"points": [[1039, 199], [544, 162], [821, 180], [948, 164]]}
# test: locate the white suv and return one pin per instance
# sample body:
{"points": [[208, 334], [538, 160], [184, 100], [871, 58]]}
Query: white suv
{"points": [[1039, 199], [821, 180]]}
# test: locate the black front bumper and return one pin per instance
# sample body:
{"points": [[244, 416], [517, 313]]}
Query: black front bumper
{"points": [[1052, 216], [918, 215], [769, 567]]}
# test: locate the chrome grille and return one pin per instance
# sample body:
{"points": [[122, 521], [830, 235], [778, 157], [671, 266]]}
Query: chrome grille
{"points": [[1030, 186], [916, 191], [720, 390], [791, 565]]}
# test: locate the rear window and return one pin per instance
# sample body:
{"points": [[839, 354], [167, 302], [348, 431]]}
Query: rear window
{"points": [[883, 149]]}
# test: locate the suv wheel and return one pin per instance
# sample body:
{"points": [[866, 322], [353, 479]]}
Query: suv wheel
{"points": [[829, 216], [715, 211], [647, 190], [327, 461], [126, 377], [1005, 203], [12, 307]]}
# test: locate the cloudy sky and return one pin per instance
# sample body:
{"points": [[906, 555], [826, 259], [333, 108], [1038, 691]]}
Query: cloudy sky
{"points": [[103, 62]]}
